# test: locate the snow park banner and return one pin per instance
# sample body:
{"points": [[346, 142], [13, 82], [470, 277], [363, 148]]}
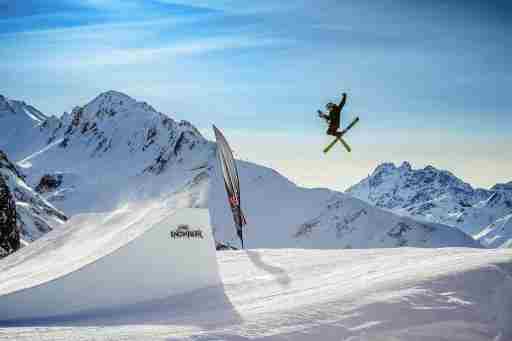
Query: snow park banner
{"points": [[231, 181]]}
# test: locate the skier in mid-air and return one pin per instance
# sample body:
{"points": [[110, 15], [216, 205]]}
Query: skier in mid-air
{"points": [[333, 120]]}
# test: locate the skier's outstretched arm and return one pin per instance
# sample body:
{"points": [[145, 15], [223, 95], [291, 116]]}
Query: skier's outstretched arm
{"points": [[343, 100], [322, 115]]}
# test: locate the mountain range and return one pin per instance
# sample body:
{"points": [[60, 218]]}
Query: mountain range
{"points": [[434, 195], [116, 150]]}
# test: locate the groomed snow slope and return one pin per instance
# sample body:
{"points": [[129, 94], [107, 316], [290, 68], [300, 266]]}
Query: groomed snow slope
{"points": [[105, 261], [290, 294]]}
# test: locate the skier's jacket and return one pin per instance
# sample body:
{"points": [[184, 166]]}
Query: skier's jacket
{"points": [[334, 116]]}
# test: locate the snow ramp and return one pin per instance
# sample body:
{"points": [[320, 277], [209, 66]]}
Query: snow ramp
{"points": [[109, 260]]}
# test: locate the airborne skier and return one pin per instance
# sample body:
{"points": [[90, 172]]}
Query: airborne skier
{"points": [[333, 120], [334, 117]]}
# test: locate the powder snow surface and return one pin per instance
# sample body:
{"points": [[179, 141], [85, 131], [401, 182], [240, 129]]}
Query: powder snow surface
{"points": [[293, 294]]}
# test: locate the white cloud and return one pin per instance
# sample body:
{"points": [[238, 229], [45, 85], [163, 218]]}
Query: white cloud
{"points": [[97, 31], [127, 56], [112, 4], [241, 7]]}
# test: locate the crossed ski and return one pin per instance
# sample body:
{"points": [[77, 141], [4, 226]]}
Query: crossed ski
{"points": [[340, 135]]}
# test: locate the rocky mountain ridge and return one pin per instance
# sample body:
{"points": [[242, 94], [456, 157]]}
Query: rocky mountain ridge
{"points": [[434, 195], [34, 215]]}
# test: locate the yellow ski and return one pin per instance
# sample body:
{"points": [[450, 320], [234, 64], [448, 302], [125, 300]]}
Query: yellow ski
{"points": [[339, 138], [345, 144]]}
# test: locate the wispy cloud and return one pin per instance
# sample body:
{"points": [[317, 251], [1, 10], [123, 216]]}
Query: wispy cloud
{"points": [[242, 7], [130, 56], [417, 73], [100, 29], [112, 4]]}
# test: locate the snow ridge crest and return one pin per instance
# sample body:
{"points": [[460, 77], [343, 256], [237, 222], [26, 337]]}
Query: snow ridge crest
{"points": [[434, 195]]}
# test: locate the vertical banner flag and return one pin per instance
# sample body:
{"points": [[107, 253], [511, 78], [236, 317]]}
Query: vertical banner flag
{"points": [[231, 181]]}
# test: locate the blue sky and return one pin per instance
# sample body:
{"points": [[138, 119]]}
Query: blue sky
{"points": [[430, 80]]}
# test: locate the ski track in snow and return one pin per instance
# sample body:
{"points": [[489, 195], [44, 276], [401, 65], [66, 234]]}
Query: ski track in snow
{"points": [[25, 163], [32, 116], [293, 294]]}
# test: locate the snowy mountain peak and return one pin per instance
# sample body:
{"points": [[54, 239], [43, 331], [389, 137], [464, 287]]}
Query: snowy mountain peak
{"points": [[390, 167], [114, 115], [398, 187], [434, 195], [113, 98], [18, 121], [5, 108], [109, 104], [111, 140], [383, 167], [21, 110], [130, 132], [406, 166], [502, 187], [115, 94]]}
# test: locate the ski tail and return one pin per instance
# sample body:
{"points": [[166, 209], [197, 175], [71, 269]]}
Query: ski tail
{"points": [[345, 144], [353, 123], [326, 149], [339, 137]]}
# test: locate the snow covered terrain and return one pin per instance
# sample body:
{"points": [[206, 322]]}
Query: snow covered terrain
{"points": [[434, 195], [34, 215], [108, 261], [100, 152], [498, 234], [278, 294], [21, 128], [122, 171], [281, 214], [115, 150], [289, 294]]}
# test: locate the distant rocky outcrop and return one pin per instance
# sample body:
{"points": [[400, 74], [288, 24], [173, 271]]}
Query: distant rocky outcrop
{"points": [[49, 182], [34, 215]]}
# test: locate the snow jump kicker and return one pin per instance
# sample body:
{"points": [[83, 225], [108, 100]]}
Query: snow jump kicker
{"points": [[173, 256]]}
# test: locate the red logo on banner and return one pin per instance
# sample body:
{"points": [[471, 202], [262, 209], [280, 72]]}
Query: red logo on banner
{"points": [[233, 200]]}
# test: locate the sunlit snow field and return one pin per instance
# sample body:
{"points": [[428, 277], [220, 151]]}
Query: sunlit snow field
{"points": [[293, 294], [295, 282]]}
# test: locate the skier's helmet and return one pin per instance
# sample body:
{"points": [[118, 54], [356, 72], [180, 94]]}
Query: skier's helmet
{"points": [[330, 106]]}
